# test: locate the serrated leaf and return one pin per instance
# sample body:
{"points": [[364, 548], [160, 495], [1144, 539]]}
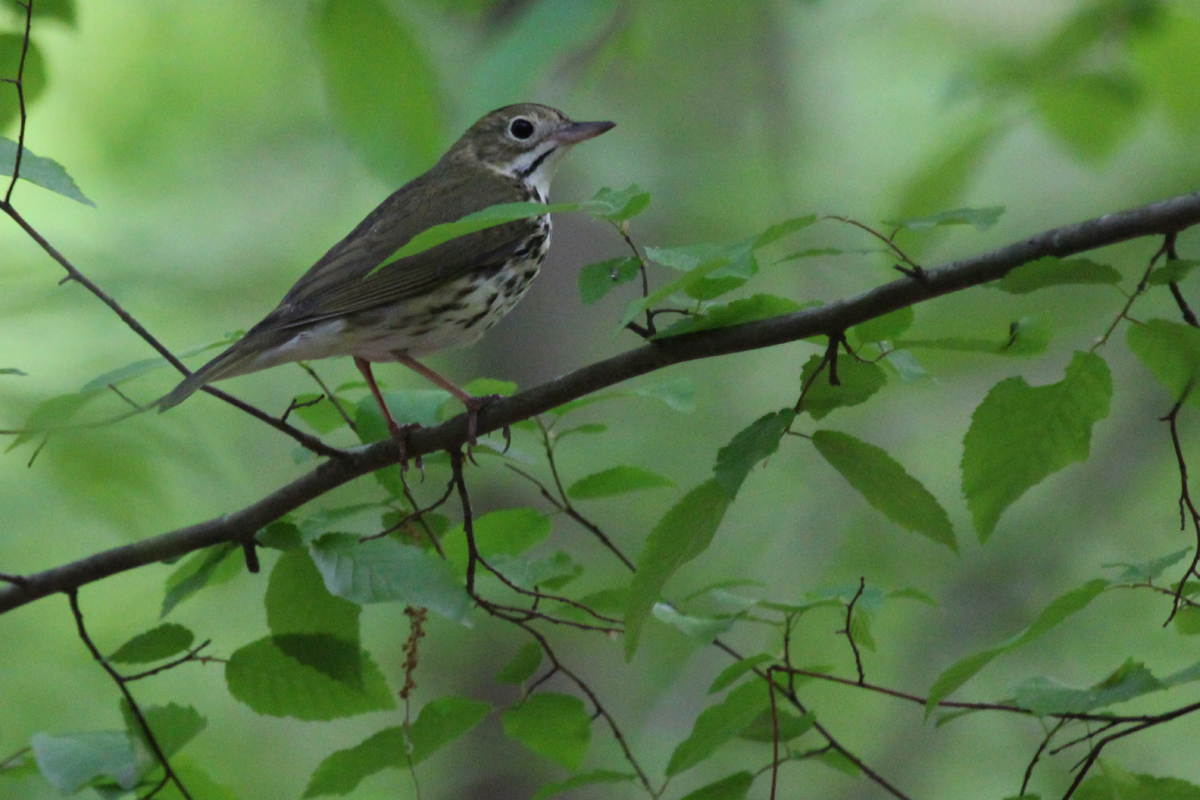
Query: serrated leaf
{"points": [[752, 444], [733, 787], [1172, 271], [1046, 696], [1114, 783], [44, 172], [730, 674], [964, 669], [582, 779], [477, 221], [555, 726], [522, 665], [782, 229], [1187, 621], [747, 309], [1052, 271], [298, 601], [1147, 570], [510, 532], [552, 572], [719, 724], [684, 532], [207, 567], [442, 720], [1021, 434], [886, 485], [615, 481], [618, 205], [701, 629], [597, 280], [790, 726], [384, 570], [337, 681], [884, 328], [980, 218], [342, 770], [173, 726], [858, 381], [154, 645], [1171, 351], [71, 762]]}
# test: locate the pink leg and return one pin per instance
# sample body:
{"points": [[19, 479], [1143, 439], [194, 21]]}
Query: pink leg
{"points": [[399, 432], [473, 403]]}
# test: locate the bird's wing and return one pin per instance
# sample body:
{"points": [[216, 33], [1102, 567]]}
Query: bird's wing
{"points": [[343, 282]]}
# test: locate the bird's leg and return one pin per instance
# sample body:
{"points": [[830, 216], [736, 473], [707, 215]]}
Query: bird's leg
{"points": [[399, 432], [474, 404]]}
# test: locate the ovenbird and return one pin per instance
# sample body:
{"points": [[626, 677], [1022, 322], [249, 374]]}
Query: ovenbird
{"points": [[447, 296]]}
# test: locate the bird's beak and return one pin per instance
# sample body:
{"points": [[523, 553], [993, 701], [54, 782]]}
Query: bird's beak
{"points": [[582, 131]]}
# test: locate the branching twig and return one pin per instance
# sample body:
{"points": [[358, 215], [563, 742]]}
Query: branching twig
{"points": [[858, 665]]}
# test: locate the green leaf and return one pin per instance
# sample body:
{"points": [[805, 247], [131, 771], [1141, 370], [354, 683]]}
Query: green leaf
{"points": [[618, 206], [44, 172], [913, 594], [510, 532], [208, 567], [443, 720], [61, 10], [154, 645], [701, 629], [1171, 351], [1114, 783], [342, 770], [782, 229], [1020, 435], [1046, 696], [1147, 570], [12, 371], [381, 86], [48, 415], [751, 445], [521, 666], [477, 221], [683, 533], [790, 726], [555, 726], [306, 676], [551, 572], [1172, 271], [173, 726], [748, 309], [1187, 621], [943, 179], [737, 669], [718, 724], [1091, 114], [980, 218], [733, 787], [597, 280], [298, 601], [859, 380], [71, 762], [884, 328], [1052, 271], [319, 412], [678, 393], [835, 759], [964, 669], [199, 785], [886, 485], [615, 481], [384, 570], [1028, 336], [33, 80], [582, 779]]}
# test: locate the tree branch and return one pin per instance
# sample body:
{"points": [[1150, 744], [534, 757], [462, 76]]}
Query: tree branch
{"points": [[1159, 218]]}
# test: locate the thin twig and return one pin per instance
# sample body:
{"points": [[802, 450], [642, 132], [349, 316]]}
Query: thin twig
{"points": [[862, 585]]}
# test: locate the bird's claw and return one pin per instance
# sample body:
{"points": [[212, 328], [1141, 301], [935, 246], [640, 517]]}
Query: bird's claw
{"points": [[400, 436]]}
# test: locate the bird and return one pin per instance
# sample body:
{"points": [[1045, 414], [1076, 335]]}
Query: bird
{"points": [[444, 297]]}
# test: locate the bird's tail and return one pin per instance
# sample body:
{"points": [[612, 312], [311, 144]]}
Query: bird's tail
{"points": [[225, 365]]}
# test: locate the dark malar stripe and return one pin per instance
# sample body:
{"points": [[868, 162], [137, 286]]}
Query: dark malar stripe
{"points": [[537, 162]]}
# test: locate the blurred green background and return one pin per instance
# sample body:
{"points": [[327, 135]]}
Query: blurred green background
{"points": [[227, 144]]}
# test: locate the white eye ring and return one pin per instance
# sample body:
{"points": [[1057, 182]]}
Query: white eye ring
{"points": [[520, 128]]}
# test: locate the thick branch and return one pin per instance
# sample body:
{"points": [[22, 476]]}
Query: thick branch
{"points": [[1155, 219]]}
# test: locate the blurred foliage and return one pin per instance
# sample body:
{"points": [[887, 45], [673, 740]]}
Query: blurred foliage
{"points": [[227, 144]]}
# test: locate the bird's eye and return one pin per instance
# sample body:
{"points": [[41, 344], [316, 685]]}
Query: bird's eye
{"points": [[521, 128]]}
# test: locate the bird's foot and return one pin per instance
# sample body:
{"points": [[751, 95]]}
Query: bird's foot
{"points": [[474, 406], [400, 436]]}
